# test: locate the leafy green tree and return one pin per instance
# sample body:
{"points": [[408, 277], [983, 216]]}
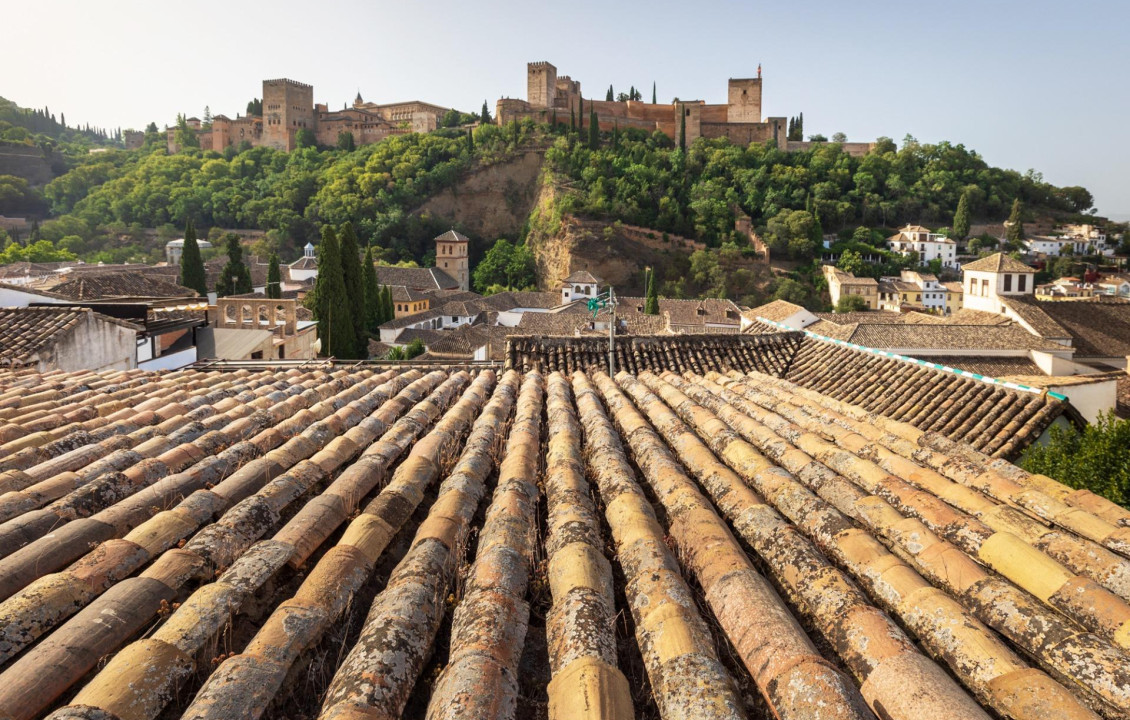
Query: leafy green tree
{"points": [[185, 137], [862, 235], [353, 275], [235, 278], [345, 141], [332, 306], [1096, 458], [373, 298], [851, 303], [506, 264], [191, 263], [255, 107], [975, 245], [790, 290], [839, 137], [1014, 233], [38, 251], [651, 301], [850, 262], [961, 218], [274, 278], [1079, 199], [305, 138]]}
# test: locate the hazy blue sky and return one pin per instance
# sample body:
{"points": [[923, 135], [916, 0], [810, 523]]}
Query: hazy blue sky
{"points": [[1028, 84]]}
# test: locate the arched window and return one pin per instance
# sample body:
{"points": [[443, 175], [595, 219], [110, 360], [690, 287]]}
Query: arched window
{"points": [[245, 315]]}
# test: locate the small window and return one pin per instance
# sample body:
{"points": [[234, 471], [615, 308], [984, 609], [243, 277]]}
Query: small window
{"points": [[1022, 283], [1008, 283]]}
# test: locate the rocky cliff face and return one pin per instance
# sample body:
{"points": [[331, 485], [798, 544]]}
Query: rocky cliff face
{"points": [[491, 202]]}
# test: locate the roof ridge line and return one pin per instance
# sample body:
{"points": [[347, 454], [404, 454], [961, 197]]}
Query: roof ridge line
{"points": [[945, 368]]}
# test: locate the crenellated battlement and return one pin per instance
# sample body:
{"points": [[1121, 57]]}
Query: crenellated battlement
{"points": [[288, 81]]}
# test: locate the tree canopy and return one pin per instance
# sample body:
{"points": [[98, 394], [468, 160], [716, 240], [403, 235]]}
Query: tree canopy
{"points": [[1096, 458], [507, 265]]}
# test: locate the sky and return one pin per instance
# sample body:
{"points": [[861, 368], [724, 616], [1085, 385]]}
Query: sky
{"points": [[1027, 84]]}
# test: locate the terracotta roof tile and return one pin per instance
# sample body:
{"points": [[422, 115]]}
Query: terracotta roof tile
{"points": [[816, 494], [998, 262]]}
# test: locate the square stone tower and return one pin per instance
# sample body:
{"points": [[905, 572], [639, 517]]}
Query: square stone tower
{"points": [[744, 100], [541, 84], [452, 257], [288, 107]]}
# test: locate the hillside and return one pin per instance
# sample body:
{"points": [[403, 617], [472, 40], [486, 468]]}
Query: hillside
{"points": [[554, 188]]}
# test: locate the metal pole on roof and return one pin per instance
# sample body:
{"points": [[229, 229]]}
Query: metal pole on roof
{"points": [[611, 332]]}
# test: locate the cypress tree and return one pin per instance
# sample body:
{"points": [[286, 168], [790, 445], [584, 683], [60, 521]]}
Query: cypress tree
{"points": [[354, 284], [389, 307], [470, 142], [961, 218], [800, 126], [615, 136], [651, 303], [235, 278], [553, 122], [652, 92], [373, 297], [581, 114], [594, 129], [274, 278], [332, 308], [609, 97], [1015, 231], [191, 264], [572, 118], [484, 116]]}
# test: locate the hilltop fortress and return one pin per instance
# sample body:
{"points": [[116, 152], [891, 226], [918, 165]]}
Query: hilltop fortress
{"points": [[551, 98], [288, 107]]}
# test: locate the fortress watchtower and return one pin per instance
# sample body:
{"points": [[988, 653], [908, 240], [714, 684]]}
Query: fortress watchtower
{"points": [[541, 84], [288, 106], [744, 100]]}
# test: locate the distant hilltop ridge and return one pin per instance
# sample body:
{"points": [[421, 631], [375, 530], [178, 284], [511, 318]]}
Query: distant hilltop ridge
{"points": [[553, 98]]}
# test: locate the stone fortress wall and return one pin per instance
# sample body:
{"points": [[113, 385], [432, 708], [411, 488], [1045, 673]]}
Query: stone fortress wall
{"points": [[551, 97], [288, 108]]}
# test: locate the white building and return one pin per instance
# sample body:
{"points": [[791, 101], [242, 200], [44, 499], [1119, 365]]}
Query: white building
{"points": [[581, 285], [305, 267], [1116, 285], [174, 249], [929, 245], [989, 279], [1073, 239], [919, 291]]}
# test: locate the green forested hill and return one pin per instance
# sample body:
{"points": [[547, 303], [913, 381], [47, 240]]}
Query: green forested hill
{"points": [[645, 180], [639, 178]]}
